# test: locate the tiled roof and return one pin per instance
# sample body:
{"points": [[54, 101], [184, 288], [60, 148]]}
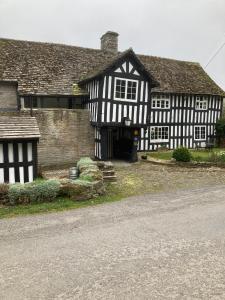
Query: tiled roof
{"points": [[52, 69], [18, 128], [112, 61]]}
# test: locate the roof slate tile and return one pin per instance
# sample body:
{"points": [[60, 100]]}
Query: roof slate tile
{"points": [[52, 69]]}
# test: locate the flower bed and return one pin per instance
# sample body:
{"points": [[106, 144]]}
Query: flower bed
{"points": [[199, 158]]}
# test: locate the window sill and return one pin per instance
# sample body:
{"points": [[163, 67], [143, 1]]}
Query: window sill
{"points": [[159, 141], [201, 140], [125, 100], [159, 108]]}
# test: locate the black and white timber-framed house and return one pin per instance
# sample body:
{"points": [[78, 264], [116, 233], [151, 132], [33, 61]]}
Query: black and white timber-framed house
{"points": [[134, 103]]}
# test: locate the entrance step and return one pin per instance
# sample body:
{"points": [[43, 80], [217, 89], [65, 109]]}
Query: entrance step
{"points": [[110, 178], [105, 165], [108, 171]]}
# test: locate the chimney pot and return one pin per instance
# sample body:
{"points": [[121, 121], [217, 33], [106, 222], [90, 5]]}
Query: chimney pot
{"points": [[109, 42]]}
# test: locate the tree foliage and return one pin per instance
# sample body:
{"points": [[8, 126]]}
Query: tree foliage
{"points": [[220, 128]]}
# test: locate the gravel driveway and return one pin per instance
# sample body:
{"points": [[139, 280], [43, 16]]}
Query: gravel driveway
{"points": [[158, 246]]}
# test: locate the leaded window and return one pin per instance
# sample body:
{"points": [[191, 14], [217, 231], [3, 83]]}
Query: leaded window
{"points": [[125, 89], [201, 103], [159, 133], [200, 132], [160, 102]]}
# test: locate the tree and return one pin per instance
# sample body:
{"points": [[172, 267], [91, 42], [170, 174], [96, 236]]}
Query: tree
{"points": [[220, 130]]}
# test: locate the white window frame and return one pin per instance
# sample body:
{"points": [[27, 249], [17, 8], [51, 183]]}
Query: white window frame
{"points": [[200, 139], [201, 102], [126, 87], [159, 140], [159, 99]]}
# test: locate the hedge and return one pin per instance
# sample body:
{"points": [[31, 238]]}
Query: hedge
{"points": [[34, 192]]}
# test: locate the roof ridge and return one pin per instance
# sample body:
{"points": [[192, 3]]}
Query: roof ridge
{"points": [[170, 59], [95, 49], [49, 43]]}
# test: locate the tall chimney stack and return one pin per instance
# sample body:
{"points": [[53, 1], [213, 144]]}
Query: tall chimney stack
{"points": [[109, 42]]}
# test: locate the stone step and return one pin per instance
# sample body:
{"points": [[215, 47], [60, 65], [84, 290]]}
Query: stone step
{"points": [[105, 165], [110, 178], [108, 172]]}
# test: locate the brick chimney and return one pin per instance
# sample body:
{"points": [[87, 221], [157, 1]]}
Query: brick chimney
{"points": [[109, 42]]}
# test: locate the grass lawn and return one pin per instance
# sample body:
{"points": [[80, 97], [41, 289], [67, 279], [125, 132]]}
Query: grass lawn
{"points": [[199, 155]]}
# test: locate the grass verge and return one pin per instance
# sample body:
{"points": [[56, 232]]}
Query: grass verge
{"points": [[60, 204]]}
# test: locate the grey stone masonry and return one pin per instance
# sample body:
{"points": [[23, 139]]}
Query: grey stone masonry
{"points": [[109, 42], [66, 136], [8, 96]]}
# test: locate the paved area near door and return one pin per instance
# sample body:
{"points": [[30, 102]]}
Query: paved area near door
{"points": [[158, 246]]}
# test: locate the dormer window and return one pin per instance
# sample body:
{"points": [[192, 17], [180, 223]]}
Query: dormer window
{"points": [[201, 103], [125, 89]]}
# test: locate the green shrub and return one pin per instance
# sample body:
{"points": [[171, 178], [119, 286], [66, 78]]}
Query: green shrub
{"points": [[220, 131], [85, 162], [217, 157], [86, 177], [4, 190], [34, 192], [221, 156], [182, 154], [88, 170]]}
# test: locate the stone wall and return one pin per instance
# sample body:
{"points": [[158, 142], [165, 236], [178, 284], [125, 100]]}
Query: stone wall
{"points": [[66, 136], [8, 96]]}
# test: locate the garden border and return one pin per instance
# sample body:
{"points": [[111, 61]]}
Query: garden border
{"points": [[192, 164]]}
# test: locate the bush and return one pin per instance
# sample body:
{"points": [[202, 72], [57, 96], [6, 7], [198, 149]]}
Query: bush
{"points": [[4, 190], [221, 156], [220, 128], [89, 170], [85, 162], [182, 154], [217, 157], [34, 192]]}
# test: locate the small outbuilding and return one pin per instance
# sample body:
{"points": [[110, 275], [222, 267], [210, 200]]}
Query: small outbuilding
{"points": [[18, 149]]}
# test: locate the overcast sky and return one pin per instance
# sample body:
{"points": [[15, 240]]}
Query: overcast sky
{"points": [[181, 29]]}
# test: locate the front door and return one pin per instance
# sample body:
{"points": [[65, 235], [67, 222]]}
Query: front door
{"points": [[122, 143], [119, 143]]}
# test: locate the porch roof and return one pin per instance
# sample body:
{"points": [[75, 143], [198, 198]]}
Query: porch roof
{"points": [[18, 127]]}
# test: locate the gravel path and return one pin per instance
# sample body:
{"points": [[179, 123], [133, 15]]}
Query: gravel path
{"points": [[159, 246]]}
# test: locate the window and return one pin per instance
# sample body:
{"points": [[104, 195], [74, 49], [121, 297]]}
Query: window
{"points": [[201, 103], [159, 134], [125, 89], [200, 133], [160, 101], [54, 102]]}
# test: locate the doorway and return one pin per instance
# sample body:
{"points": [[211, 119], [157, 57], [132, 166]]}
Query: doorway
{"points": [[120, 143]]}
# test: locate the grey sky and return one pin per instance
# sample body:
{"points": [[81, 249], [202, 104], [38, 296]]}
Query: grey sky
{"points": [[180, 29]]}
